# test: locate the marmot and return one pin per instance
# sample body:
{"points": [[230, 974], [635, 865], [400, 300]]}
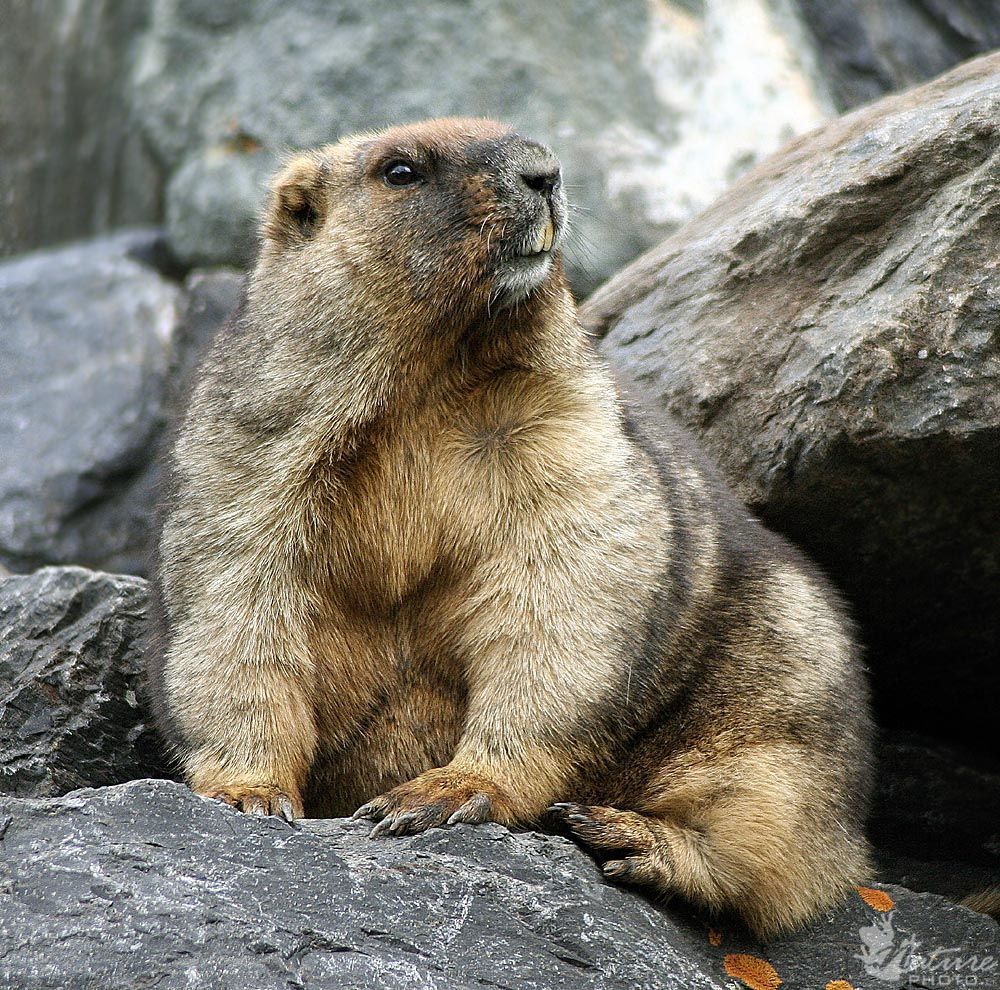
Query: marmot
{"points": [[416, 556]]}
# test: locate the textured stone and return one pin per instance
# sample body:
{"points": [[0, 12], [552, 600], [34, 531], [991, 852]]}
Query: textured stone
{"points": [[70, 682], [655, 108], [72, 161], [147, 885], [866, 48], [84, 351], [936, 818], [829, 330], [210, 298], [74, 715]]}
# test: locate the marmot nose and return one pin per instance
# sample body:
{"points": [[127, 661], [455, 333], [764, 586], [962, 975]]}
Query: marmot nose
{"points": [[541, 179]]}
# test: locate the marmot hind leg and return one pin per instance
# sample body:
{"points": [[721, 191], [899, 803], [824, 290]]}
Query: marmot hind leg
{"points": [[637, 847], [765, 848]]}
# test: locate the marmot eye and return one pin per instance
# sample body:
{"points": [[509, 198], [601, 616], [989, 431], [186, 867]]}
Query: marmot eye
{"points": [[400, 174]]}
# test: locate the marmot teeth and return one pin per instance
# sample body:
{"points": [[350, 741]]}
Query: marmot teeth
{"points": [[548, 236], [542, 242]]}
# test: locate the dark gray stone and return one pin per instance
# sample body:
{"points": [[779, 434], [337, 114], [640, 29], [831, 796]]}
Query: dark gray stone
{"points": [[84, 351], [70, 682], [866, 48], [654, 108], [146, 884], [72, 161], [935, 823], [828, 328]]}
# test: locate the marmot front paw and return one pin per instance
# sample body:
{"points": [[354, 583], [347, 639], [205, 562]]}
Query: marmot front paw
{"points": [[258, 800], [437, 797]]}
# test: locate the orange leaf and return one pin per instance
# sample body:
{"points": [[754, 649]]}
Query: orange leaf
{"points": [[758, 974], [877, 899], [714, 937], [839, 985]]}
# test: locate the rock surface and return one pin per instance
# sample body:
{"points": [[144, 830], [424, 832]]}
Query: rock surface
{"points": [[867, 48], [147, 885], [210, 298], [829, 330], [72, 161], [655, 108], [935, 823], [124, 114], [74, 715], [84, 350], [70, 683]]}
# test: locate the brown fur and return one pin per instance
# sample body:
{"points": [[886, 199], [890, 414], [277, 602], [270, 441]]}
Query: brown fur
{"points": [[986, 901], [416, 555]]}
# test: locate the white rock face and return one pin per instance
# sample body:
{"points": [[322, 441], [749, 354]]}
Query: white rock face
{"points": [[736, 85]]}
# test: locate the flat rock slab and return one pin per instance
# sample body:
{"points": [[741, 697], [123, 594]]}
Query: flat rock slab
{"points": [[146, 885]]}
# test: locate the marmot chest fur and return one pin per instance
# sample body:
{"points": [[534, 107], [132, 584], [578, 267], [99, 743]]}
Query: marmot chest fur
{"points": [[417, 557]]}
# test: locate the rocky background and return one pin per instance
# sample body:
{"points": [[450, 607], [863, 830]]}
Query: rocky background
{"points": [[781, 242]]}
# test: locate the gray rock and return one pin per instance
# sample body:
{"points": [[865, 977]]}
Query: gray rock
{"points": [[70, 683], [123, 114], [212, 206], [866, 48], [74, 715], [72, 161], [147, 885], [829, 329], [935, 823], [654, 108], [210, 298], [84, 348]]}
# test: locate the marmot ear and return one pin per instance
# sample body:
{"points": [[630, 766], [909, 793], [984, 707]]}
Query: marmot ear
{"points": [[298, 203]]}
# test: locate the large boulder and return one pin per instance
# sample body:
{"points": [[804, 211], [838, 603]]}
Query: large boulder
{"points": [[117, 114], [74, 714], [71, 705], [98, 345], [655, 108], [85, 339], [828, 328], [146, 884]]}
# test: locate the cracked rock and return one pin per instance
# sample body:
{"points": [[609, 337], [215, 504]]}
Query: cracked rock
{"points": [[71, 712], [145, 884]]}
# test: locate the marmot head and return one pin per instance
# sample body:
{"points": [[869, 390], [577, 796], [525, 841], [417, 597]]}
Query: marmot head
{"points": [[445, 219]]}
